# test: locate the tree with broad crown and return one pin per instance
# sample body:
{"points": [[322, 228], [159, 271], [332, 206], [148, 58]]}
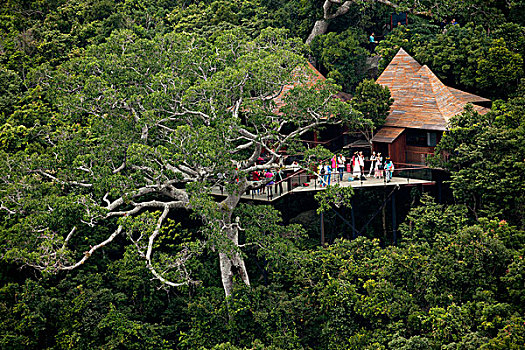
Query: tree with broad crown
{"points": [[147, 127], [374, 101], [343, 57], [486, 157]]}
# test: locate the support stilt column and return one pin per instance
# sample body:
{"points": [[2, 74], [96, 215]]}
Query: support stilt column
{"points": [[322, 229], [394, 233], [354, 233]]}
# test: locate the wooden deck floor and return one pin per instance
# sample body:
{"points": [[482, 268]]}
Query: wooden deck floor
{"points": [[276, 193]]}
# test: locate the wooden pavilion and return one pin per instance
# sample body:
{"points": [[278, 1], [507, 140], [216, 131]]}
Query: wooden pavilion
{"points": [[421, 110]]}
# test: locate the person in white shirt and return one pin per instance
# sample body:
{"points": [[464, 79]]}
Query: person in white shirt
{"points": [[378, 173], [341, 166], [356, 167], [362, 164], [372, 164]]}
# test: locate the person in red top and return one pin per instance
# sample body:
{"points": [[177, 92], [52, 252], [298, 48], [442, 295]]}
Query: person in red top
{"points": [[256, 177]]}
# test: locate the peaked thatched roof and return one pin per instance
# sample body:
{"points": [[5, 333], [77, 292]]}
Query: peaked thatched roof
{"points": [[421, 100]]}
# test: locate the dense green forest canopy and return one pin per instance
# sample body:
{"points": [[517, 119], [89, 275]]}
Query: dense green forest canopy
{"points": [[117, 117]]}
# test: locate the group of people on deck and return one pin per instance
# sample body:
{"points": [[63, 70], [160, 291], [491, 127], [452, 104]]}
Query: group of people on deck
{"points": [[336, 165], [328, 170], [271, 177], [379, 168]]}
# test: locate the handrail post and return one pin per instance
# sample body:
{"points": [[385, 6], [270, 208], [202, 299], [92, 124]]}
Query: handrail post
{"points": [[322, 228], [394, 223], [354, 231]]}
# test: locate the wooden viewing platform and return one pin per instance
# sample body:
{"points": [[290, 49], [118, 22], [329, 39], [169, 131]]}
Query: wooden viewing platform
{"points": [[294, 184]]}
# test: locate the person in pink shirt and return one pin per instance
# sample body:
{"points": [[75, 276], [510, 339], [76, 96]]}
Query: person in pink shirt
{"points": [[269, 177], [334, 164]]}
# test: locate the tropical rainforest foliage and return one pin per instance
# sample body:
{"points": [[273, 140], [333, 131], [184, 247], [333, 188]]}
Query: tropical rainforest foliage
{"points": [[117, 117]]}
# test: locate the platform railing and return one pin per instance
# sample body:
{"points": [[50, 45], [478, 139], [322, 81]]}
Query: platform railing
{"points": [[301, 177], [309, 178], [413, 171]]}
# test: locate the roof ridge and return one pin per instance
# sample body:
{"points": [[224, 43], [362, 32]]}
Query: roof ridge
{"points": [[421, 99], [457, 93], [402, 63], [466, 96], [401, 52], [315, 70], [447, 103]]}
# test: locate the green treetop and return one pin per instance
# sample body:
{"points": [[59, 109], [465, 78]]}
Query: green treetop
{"points": [[149, 127]]}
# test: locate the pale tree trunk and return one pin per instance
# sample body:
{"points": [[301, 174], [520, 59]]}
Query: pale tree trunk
{"points": [[231, 262], [321, 26]]}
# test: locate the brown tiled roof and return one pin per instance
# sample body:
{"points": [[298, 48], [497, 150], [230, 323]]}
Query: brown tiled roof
{"points": [[387, 134], [421, 100], [401, 69], [310, 76], [304, 75], [467, 97]]}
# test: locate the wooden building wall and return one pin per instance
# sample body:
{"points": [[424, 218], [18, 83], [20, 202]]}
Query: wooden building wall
{"points": [[417, 154], [396, 150]]}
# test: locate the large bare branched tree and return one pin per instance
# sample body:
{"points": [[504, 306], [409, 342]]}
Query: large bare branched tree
{"points": [[145, 129]]}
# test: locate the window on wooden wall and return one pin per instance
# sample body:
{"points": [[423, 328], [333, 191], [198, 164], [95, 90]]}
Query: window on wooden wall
{"points": [[422, 138]]}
